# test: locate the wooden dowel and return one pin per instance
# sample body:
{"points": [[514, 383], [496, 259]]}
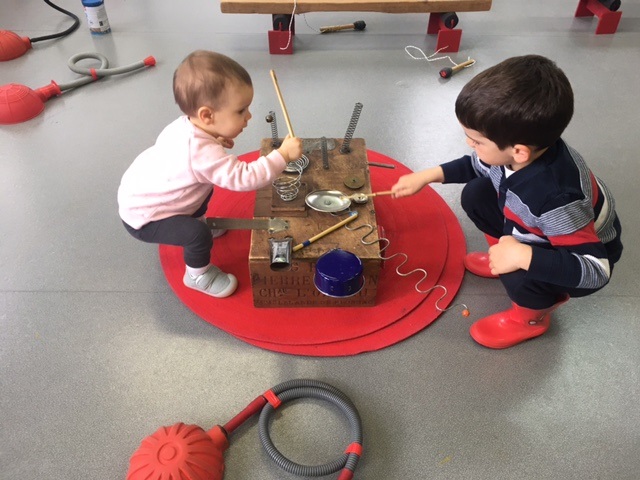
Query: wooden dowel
{"points": [[375, 194], [306, 243], [282, 105]]}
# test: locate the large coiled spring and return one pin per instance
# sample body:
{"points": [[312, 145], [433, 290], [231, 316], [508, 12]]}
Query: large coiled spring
{"points": [[353, 123], [287, 187]]}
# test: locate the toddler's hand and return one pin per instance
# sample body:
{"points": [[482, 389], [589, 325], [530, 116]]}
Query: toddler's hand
{"points": [[291, 148]]}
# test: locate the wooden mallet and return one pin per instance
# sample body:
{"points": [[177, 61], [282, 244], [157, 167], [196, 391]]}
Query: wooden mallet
{"points": [[449, 71], [359, 25]]}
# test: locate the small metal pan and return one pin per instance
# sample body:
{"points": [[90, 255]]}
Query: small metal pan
{"points": [[328, 201]]}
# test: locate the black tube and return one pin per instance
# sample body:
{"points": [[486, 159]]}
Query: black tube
{"points": [[76, 22], [302, 388]]}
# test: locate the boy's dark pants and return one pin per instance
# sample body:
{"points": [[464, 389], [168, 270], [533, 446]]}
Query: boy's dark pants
{"points": [[184, 231], [480, 201]]}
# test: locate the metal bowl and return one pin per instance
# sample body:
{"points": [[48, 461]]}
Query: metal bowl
{"points": [[327, 201]]}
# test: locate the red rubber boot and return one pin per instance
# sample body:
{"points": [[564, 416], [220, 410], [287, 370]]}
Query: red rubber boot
{"points": [[508, 328], [478, 262]]}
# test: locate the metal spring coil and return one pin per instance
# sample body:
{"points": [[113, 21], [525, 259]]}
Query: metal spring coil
{"points": [[353, 123], [288, 187], [298, 165], [271, 119]]}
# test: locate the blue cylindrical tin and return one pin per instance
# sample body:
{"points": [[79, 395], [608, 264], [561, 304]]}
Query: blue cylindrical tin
{"points": [[339, 274], [96, 16]]}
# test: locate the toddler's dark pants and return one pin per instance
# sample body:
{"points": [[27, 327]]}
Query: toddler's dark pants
{"points": [[480, 201], [184, 231]]}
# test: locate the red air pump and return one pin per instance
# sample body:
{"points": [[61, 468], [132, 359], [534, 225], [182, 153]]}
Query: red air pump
{"points": [[19, 103], [188, 452], [13, 46]]}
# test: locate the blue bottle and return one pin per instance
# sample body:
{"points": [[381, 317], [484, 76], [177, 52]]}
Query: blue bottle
{"points": [[96, 16]]}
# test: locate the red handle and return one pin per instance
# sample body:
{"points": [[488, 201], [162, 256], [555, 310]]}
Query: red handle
{"points": [[345, 474], [48, 91], [250, 410]]}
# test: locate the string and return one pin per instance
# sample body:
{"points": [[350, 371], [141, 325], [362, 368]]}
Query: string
{"points": [[295, 5], [312, 28], [429, 58], [304, 16]]}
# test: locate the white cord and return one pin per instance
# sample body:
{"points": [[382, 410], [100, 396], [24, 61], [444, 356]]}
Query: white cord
{"points": [[429, 58], [295, 5]]}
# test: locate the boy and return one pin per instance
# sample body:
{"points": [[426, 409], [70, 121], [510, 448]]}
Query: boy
{"points": [[164, 194], [550, 223]]}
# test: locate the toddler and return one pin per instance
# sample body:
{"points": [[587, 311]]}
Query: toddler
{"points": [[164, 194]]}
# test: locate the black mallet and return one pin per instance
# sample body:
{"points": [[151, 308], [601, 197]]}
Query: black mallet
{"points": [[359, 25], [449, 71]]}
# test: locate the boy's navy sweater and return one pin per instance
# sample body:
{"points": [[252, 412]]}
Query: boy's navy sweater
{"points": [[560, 208]]}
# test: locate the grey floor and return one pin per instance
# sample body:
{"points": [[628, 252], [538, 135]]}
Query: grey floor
{"points": [[96, 352]]}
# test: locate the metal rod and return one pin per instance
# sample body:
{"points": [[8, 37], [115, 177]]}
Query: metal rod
{"points": [[383, 165]]}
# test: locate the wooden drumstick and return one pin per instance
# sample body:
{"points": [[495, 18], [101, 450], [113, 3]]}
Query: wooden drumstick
{"points": [[284, 108], [449, 71], [358, 25]]}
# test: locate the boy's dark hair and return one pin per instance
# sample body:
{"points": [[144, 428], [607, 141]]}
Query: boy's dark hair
{"points": [[201, 79], [523, 100]]}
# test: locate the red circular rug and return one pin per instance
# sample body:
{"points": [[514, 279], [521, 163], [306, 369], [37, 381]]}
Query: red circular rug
{"points": [[422, 232]]}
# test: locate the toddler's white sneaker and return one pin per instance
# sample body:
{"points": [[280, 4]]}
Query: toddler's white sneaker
{"points": [[213, 282]]}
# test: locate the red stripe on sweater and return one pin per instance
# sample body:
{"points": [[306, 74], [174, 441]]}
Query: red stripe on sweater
{"points": [[518, 221], [587, 234]]}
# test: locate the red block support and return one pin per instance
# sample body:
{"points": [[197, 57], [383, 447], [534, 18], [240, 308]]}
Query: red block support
{"points": [[448, 38], [280, 40], [607, 20]]}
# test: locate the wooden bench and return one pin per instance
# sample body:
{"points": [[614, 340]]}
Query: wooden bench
{"points": [[442, 17]]}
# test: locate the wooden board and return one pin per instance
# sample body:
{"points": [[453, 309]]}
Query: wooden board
{"points": [[384, 6], [294, 287]]}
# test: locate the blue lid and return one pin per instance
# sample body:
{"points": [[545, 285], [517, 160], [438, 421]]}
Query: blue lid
{"points": [[92, 3]]}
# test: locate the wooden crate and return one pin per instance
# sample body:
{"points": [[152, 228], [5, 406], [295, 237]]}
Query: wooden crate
{"points": [[294, 287]]}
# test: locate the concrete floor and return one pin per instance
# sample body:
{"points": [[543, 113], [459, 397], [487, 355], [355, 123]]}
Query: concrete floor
{"points": [[96, 352]]}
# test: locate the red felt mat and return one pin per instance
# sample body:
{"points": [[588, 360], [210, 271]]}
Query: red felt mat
{"points": [[422, 227]]}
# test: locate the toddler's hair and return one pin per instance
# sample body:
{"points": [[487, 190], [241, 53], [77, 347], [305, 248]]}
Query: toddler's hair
{"points": [[523, 100], [201, 80]]}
